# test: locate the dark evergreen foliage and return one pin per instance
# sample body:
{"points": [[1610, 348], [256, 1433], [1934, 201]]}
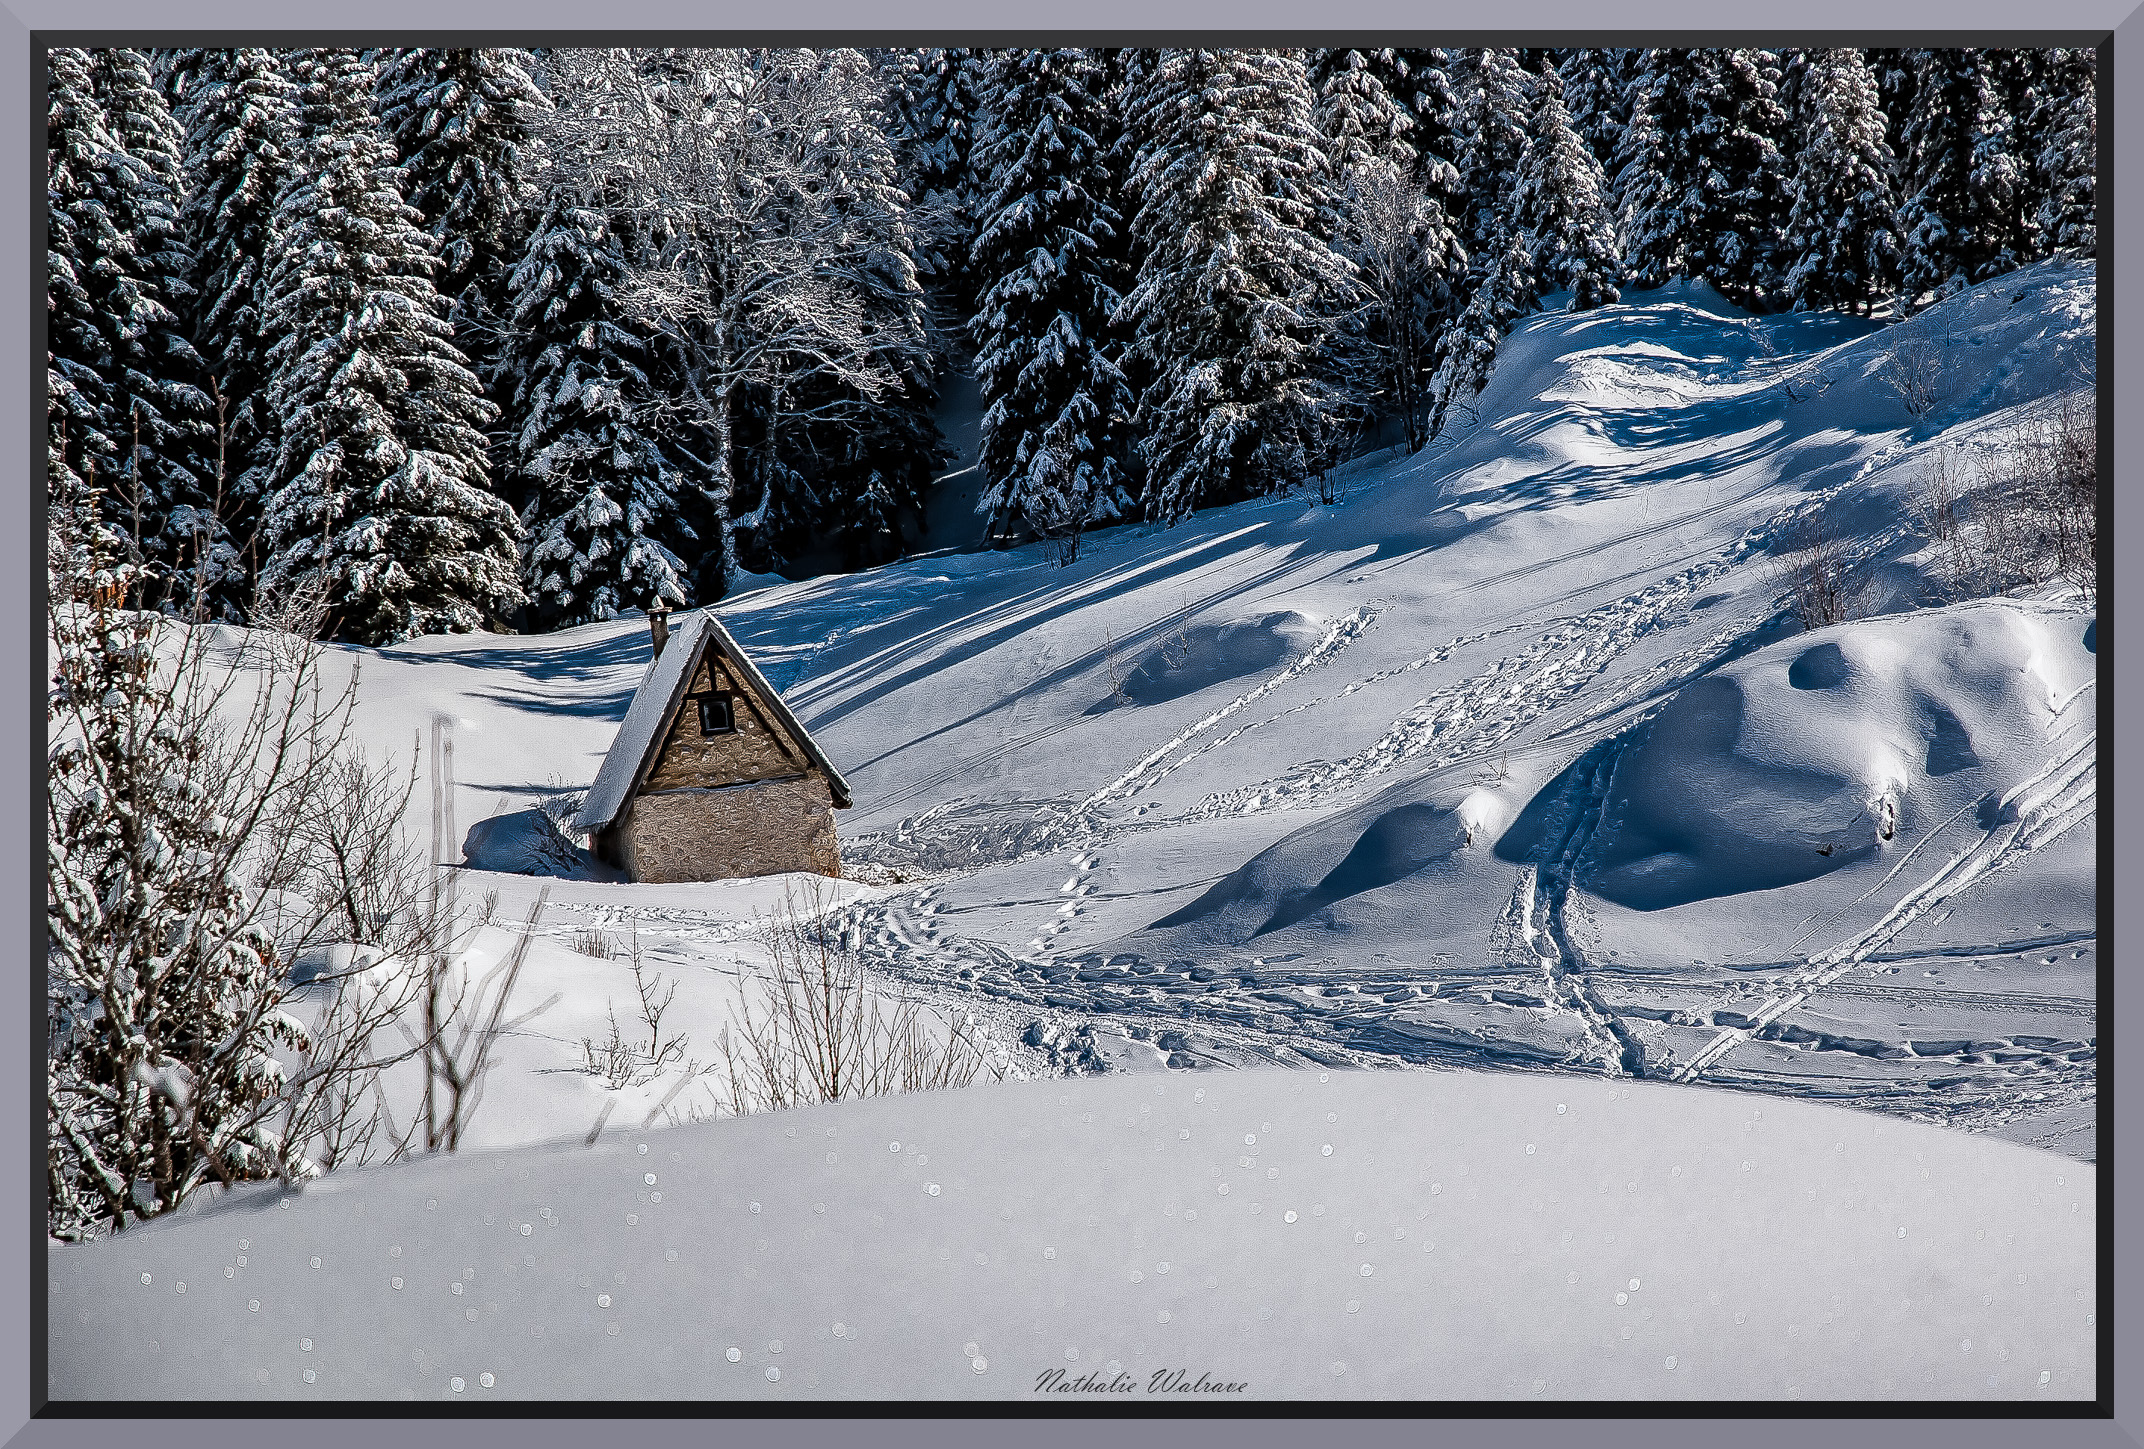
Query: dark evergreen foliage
{"points": [[1703, 189], [1230, 310], [382, 477], [1055, 429]]}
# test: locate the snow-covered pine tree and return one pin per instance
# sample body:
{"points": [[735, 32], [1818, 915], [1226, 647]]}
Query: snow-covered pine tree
{"points": [[1493, 105], [1841, 230], [382, 469], [1420, 79], [1792, 63], [177, 69], [163, 413], [931, 101], [240, 115], [1702, 191], [2065, 136], [1391, 219], [1559, 204], [1467, 349], [82, 434], [1596, 93], [1893, 67], [1964, 182], [1231, 307], [1056, 405], [600, 496], [1362, 107], [464, 121]]}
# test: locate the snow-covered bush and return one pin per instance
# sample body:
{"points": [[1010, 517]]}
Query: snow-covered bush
{"points": [[165, 999], [210, 822]]}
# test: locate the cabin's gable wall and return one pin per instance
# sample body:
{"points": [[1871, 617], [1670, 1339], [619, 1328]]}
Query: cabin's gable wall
{"points": [[756, 750]]}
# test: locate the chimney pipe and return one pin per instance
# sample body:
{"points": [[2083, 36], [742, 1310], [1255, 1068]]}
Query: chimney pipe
{"points": [[659, 629]]}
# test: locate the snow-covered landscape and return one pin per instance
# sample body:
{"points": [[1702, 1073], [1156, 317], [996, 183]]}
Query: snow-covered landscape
{"points": [[1506, 760], [1073, 725]]}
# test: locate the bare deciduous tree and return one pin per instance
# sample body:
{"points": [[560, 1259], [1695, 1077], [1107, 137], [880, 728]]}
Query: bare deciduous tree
{"points": [[754, 254], [1390, 227]]}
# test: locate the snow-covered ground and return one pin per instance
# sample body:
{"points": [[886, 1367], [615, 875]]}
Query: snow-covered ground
{"points": [[1389, 1235], [1508, 759]]}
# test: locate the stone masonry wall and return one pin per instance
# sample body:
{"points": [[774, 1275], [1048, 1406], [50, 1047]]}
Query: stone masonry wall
{"points": [[741, 830]]}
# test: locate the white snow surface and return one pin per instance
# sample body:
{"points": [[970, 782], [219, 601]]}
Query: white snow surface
{"points": [[1372, 1235], [1509, 759]]}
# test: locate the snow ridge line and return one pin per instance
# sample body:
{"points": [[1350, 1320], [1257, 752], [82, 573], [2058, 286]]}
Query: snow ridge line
{"points": [[2057, 797]]}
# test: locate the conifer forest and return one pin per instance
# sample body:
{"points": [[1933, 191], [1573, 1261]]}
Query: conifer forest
{"points": [[516, 339]]}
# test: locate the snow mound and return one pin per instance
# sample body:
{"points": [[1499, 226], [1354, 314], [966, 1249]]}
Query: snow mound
{"points": [[527, 842], [1374, 1235], [1396, 848], [1191, 658], [1831, 747]]}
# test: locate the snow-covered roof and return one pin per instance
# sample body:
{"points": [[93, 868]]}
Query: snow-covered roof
{"points": [[655, 704]]}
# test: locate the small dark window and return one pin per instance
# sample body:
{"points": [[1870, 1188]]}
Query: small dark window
{"points": [[716, 717]]}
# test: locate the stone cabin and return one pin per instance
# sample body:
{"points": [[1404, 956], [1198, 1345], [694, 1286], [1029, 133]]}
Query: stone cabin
{"points": [[711, 777]]}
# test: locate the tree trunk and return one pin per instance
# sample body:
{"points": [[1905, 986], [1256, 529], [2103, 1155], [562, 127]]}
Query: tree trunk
{"points": [[724, 485]]}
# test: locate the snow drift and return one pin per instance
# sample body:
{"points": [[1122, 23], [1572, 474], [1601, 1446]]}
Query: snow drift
{"points": [[1830, 748], [1409, 1236]]}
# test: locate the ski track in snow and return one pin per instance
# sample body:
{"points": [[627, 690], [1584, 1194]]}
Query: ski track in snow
{"points": [[1488, 709], [2035, 812], [1544, 924]]}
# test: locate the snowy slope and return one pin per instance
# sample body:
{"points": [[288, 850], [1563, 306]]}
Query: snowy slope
{"points": [[1446, 772], [1509, 759], [1386, 1235]]}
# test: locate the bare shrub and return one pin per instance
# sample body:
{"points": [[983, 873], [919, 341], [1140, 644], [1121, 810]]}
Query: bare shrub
{"points": [[1117, 691], [1818, 571], [1912, 367], [590, 941], [562, 807], [1176, 635], [818, 1032], [621, 1062], [1941, 507], [350, 860], [2054, 481], [464, 1020], [2026, 516]]}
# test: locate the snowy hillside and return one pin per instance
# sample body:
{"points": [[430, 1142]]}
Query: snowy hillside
{"points": [[1509, 758]]}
